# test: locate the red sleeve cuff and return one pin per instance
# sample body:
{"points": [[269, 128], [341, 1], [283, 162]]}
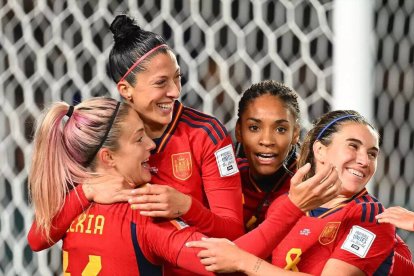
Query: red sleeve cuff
{"points": [[195, 210]]}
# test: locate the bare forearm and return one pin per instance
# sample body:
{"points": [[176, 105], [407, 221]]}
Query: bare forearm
{"points": [[254, 266]]}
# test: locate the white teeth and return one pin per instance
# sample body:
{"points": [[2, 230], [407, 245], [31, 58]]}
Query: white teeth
{"points": [[355, 172], [165, 106], [265, 155]]}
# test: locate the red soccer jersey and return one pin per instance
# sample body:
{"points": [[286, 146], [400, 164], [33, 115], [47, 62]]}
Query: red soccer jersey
{"points": [[195, 155], [255, 201], [348, 232], [116, 240]]}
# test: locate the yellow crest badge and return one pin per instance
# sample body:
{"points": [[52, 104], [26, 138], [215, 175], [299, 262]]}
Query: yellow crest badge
{"points": [[182, 165], [329, 233]]}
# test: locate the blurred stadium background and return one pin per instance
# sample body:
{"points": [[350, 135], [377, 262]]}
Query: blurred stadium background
{"points": [[336, 53]]}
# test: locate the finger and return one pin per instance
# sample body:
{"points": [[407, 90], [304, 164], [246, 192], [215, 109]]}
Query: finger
{"points": [[205, 253], [150, 207], [331, 180], [121, 196], [144, 199], [197, 244], [384, 220], [322, 176], [212, 268], [208, 261], [155, 214], [300, 174]]}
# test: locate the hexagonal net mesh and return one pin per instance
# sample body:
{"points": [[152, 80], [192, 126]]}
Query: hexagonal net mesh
{"points": [[58, 50], [394, 104]]}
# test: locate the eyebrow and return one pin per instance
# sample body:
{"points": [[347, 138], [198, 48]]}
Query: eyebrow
{"points": [[360, 142], [137, 132], [280, 121]]}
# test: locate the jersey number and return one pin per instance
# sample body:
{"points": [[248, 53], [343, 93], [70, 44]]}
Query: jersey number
{"points": [[93, 267], [292, 259]]}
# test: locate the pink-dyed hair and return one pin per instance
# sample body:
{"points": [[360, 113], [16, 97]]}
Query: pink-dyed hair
{"points": [[62, 146]]}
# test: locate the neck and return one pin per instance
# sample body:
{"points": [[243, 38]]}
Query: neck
{"points": [[335, 202], [155, 131], [267, 182]]}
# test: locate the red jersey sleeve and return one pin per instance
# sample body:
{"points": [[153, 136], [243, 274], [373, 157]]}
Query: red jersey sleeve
{"points": [[403, 264], [165, 242], [365, 243], [281, 217], [222, 187], [75, 203]]}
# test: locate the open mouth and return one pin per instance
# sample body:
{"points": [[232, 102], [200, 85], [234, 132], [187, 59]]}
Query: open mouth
{"points": [[356, 173], [266, 156], [165, 107], [145, 164]]}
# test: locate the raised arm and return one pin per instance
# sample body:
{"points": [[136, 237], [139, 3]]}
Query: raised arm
{"points": [[75, 203], [223, 256], [285, 211], [105, 189], [222, 189]]}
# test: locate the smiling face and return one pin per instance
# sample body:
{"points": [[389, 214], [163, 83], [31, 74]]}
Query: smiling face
{"points": [[155, 91], [267, 130], [354, 152], [131, 159]]}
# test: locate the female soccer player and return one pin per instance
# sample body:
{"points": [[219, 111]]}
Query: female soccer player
{"points": [[193, 155], [98, 136], [342, 236], [268, 131]]}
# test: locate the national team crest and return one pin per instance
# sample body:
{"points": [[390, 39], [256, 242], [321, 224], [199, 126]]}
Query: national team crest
{"points": [[182, 165], [328, 234]]}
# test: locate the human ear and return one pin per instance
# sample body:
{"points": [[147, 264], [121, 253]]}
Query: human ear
{"points": [[125, 90], [296, 134], [106, 157], [238, 132], [319, 152]]}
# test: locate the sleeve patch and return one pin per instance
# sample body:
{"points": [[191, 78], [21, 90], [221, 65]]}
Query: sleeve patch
{"points": [[179, 224], [358, 241], [226, 161]]}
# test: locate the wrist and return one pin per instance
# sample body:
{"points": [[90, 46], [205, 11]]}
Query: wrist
{"points": [[188, 201]]}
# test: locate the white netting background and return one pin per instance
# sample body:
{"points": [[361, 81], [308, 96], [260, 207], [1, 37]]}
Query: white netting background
{"points": [[57, 50], [394, 104]]}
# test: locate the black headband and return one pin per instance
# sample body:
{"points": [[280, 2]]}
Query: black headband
{"points": [[70, 111], [111, 121]]}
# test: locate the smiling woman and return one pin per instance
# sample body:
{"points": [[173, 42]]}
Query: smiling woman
{"points": [[116, 144], [341, 237]]}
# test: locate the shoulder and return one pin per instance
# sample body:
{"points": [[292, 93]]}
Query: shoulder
{"points": [[205, 124], [365, 208]]}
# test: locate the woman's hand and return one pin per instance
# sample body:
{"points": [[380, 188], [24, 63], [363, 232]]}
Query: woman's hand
{"points": [[315, 191], [398, 216], [107, 189], [160, 201], [220, 255]]}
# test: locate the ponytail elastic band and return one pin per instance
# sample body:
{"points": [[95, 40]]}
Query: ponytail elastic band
{"points": [[70, 111], [110, 123], [140, 60], [331, 123]]}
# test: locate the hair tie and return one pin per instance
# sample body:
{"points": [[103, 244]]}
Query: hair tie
{"points": [[333, 122], [70, 111], [140, 60]]}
